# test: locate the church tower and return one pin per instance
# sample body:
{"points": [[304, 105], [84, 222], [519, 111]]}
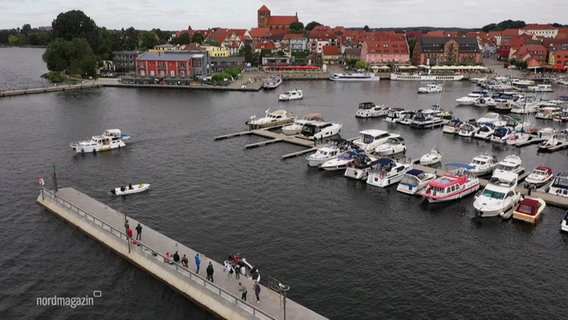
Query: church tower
{"points": [[263, 15]]}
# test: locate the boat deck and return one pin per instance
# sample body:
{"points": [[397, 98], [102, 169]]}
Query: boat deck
{"points": [[222, 297]]}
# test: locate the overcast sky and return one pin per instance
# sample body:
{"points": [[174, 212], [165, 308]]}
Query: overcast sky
{"points": [[175, 15]]}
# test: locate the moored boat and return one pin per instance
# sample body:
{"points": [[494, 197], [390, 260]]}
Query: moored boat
{"points": [[387, 172], [431, 158], [498, 196], [559, 185], [341, 162], [318, 130], [482, 164], [298, 124], [529, 210], [414, 180], [511, 163], [371, 110], [454, 184], [274, 118], [371, 138], [430, 88], [330, 151], [392, 146], [357, 76], [272, 82], [539, 176]]}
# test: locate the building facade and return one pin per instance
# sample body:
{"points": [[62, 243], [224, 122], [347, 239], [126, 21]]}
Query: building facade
{"points": [[446, 51]]}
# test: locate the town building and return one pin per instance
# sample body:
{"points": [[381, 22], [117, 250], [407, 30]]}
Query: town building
{"points": [[446, 51], [276, 24], [172, 64]]}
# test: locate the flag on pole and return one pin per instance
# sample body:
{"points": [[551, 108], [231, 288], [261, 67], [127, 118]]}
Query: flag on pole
{"points": [[40, 181]]}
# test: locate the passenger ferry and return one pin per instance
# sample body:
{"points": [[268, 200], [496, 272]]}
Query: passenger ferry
{"points": [[359, 76], [456, 183], [426, 77]]}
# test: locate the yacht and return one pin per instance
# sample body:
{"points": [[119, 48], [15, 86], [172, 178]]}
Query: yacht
{"points": [[274, 118], [407, 117], [296, 127], [559, 185], [392, 146], [482, 164], [318, 130], [453, 126], [108, 140], [472, 97], [387, 172], [431, 158], [360, 167], [289, 95], [372, 138], [498, 196], [272, 82], [371, 110], [414, 181], [484, 132], [454, 184], [501, 134], [358, 76], [430, 88], [341, 162], [546, 113], [511, 163], [468, 129], [529, 210], [427, 118], [426, 77], [330, 151], [558, 139], [540, 88], [540, 176], [394, 114], [490, 117]]}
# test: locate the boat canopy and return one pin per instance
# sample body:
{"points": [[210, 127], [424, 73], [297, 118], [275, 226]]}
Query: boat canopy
{"points": [[548, 170], [385, 161], [415, 172], [528, 206]]}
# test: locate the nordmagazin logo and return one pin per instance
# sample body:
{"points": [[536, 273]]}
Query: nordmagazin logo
{"points": [[66, 301]]}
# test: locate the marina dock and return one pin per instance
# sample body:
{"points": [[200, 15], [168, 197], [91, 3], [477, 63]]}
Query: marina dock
{"points": [[221, 298], [51, 88]]}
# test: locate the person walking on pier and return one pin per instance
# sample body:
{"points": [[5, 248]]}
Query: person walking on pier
{"points": [[210, 272], [176, 257], [243, 289], [256, 287], [184, 260], [138, 232], [197, 262]]}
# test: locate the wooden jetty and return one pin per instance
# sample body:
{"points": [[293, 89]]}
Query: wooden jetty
{"points": [[56, 88], [221, 298]]}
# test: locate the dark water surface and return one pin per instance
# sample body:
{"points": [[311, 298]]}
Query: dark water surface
{"points": [[348, 250]]}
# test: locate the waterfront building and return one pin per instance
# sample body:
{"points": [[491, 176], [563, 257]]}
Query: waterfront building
{"points": [[385, 47], [172, 64], [330, 55], [125, 61], [447, 51]]}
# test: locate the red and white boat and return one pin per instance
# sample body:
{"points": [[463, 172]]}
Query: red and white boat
{"points": [[539, 176], [456, 183], [529, 210]]}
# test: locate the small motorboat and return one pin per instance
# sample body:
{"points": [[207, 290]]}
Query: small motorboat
{"points": [[371, 110], [299, 123], [360, 167], [485, 131], [414, 181], [330, 151], [430, 88], [431, 158], [392, 146], [468, 129], [289, 95], [539, 176], [501, 134], [564, 223], [529, 210], [387, 172], [341, 162], [559, 185], [274, 118], [482, 164], [130, 189], [511, 163]]}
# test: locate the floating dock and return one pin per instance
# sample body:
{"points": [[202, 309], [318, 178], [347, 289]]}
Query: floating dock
{"points": [[221, 298]]}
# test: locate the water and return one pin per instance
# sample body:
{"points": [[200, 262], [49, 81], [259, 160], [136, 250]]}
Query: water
{"points": [[349, 251]]}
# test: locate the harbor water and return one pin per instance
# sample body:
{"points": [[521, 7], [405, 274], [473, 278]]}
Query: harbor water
{"points": [[347, 250]]}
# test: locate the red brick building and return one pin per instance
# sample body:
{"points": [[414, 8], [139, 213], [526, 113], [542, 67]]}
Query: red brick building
{"points": [[276, 24], [164, 64]]}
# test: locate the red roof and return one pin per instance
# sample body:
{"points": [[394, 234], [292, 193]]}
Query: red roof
{"points": [[281, 20], [330, 50], [263, 9], [536, 26]]}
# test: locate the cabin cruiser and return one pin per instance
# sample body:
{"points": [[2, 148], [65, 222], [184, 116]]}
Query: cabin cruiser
{"points": [[430, 88], [392, 146], [482, 164], [540, 88], [274, 118], [431, 158], [559, 185], [529, 210], [454, 184], [453, 126], [299, 123], [498, 196], [472, 97], [108, 140], [371, 110], [484, 132], [372, 138], [564, 223], [394, 114], [289, 95], [546, 113], [272, 82], [330, 151], [318, 130], [511, 163], [407, 117], [358, 76], [540, 176], [414, 180], [519, 138], [501, 134], [556, 140], [468, 129], [427, 118], [341, 162], [359, 168], [387, 172], [490, 117]]}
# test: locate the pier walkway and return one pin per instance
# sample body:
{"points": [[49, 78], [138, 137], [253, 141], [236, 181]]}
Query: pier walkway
{"points": [[222, 297]]}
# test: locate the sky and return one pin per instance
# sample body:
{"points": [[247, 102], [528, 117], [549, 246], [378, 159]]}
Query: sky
{"points": [[173, 15]]}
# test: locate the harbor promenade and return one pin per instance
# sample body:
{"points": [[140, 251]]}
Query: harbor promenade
{"points": [[220, 297]]}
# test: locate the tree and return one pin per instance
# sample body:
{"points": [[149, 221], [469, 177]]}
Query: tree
{"points": [[13, 39], [197, 38], [366, 28], [183, 38], [411, 45], [312, 25], [149, 39], [26, 29], [75, 24], [130, 39], [360, 64], [297, 28], [74, 57]]}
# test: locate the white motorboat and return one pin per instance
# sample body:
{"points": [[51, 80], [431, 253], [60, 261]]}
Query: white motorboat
{"points": [[414, 181], [289, 95], [540, 88], [498, 196], [430, 88], [546, 113], [341, 162], [360, 167], [406, 117], [392, 146], [426, 77], [540, 176], [559, 185], [529, 210], [453, 126], [130, 189], [371, 138], [358, 76], [318, 130], [511, 163], [556, 140], [472, 97], [501, 134], [299, 123], [330, 151], [108, 140], [431, 158], [387, 172], [274, 118], [371, 110], [394, 114], [490, 117], [427, 118], [454, 184], [468, 129], [484, 132], [272, 82], [564, 223], [482, 164], [519, 138]]}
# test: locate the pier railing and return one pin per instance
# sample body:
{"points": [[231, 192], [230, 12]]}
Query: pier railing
{"points": [[160, 260]]}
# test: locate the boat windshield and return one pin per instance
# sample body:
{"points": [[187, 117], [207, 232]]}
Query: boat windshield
{"points": [[409, 179], [493, 194], [560, 181]]}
